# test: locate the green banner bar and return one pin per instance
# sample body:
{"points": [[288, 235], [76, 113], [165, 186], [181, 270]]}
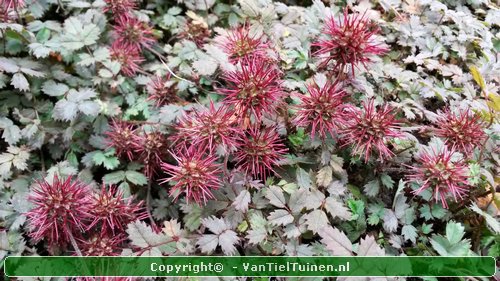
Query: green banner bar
{"points": [[255, 266]]}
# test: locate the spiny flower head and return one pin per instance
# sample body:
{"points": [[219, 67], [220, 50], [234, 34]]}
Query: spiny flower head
{"points": [[129, 59], [12, 4], [462, 130], [120, 8], [133, 34], [369, 129], [208, 128], [112, 212], [259, 151], [254, 89], [10, 9], [322, 110], [61, 210], [442, 174], [195, 175], [161, 90], [240, 43], [102, 244], [350, 41], [195, 30], [121, 136], [150, 148]]}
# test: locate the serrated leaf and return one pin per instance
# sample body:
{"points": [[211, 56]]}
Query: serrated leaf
{"points": [[409, 232], [276, 196], [336, 241], [54, 89], [20, 82], [298, 200], [387, 180], [90, 108], [141, 235], [315, 220], [390, 221], [324, 176], [114, 178], [76, 35], [216, 225], [255, 236], [242, 200], [372, 188], [136, 178], [65, 110], [249, 7], [280, 217], [303, 178], [337, 209], [205, 66], [369, 247], [454, 232], [208, 243], [227, 240]]}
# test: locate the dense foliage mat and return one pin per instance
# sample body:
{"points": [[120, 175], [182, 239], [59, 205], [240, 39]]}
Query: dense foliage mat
{"points": [[249, 127]]}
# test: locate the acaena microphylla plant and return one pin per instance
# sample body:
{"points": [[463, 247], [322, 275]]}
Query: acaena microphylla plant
{"points": [[111, 212], [349, 41], [161, 90], [129, 59], [440, 171], [133, 34], [253, 90], [259, 151], [102, 244], [195, 175], [60, 212], [121, 136], [208, 128], [322, 110], [462, 130], [369, 129], [120, 8], [239, 43], [150, 149]]}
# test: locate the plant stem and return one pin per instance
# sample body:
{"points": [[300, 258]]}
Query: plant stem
{"points": [[74, 244], [148, 206]]}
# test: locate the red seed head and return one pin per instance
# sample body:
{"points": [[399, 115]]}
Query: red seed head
{"points": [[349, 41], [323, 110], [120, 8], [462, 130], [195, 175], [10, 9], [196, 31], [60, 211], [112, 213], [441, 174], [208, 128], [254, 89], [129, 59], [240, 44], [259, 151], [121, 136], [133, 34], [102, 244], [162, 90], [369, 129], [150, 148]]}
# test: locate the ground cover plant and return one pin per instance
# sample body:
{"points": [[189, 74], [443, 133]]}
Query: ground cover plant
{"points": [[249, 127]]}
